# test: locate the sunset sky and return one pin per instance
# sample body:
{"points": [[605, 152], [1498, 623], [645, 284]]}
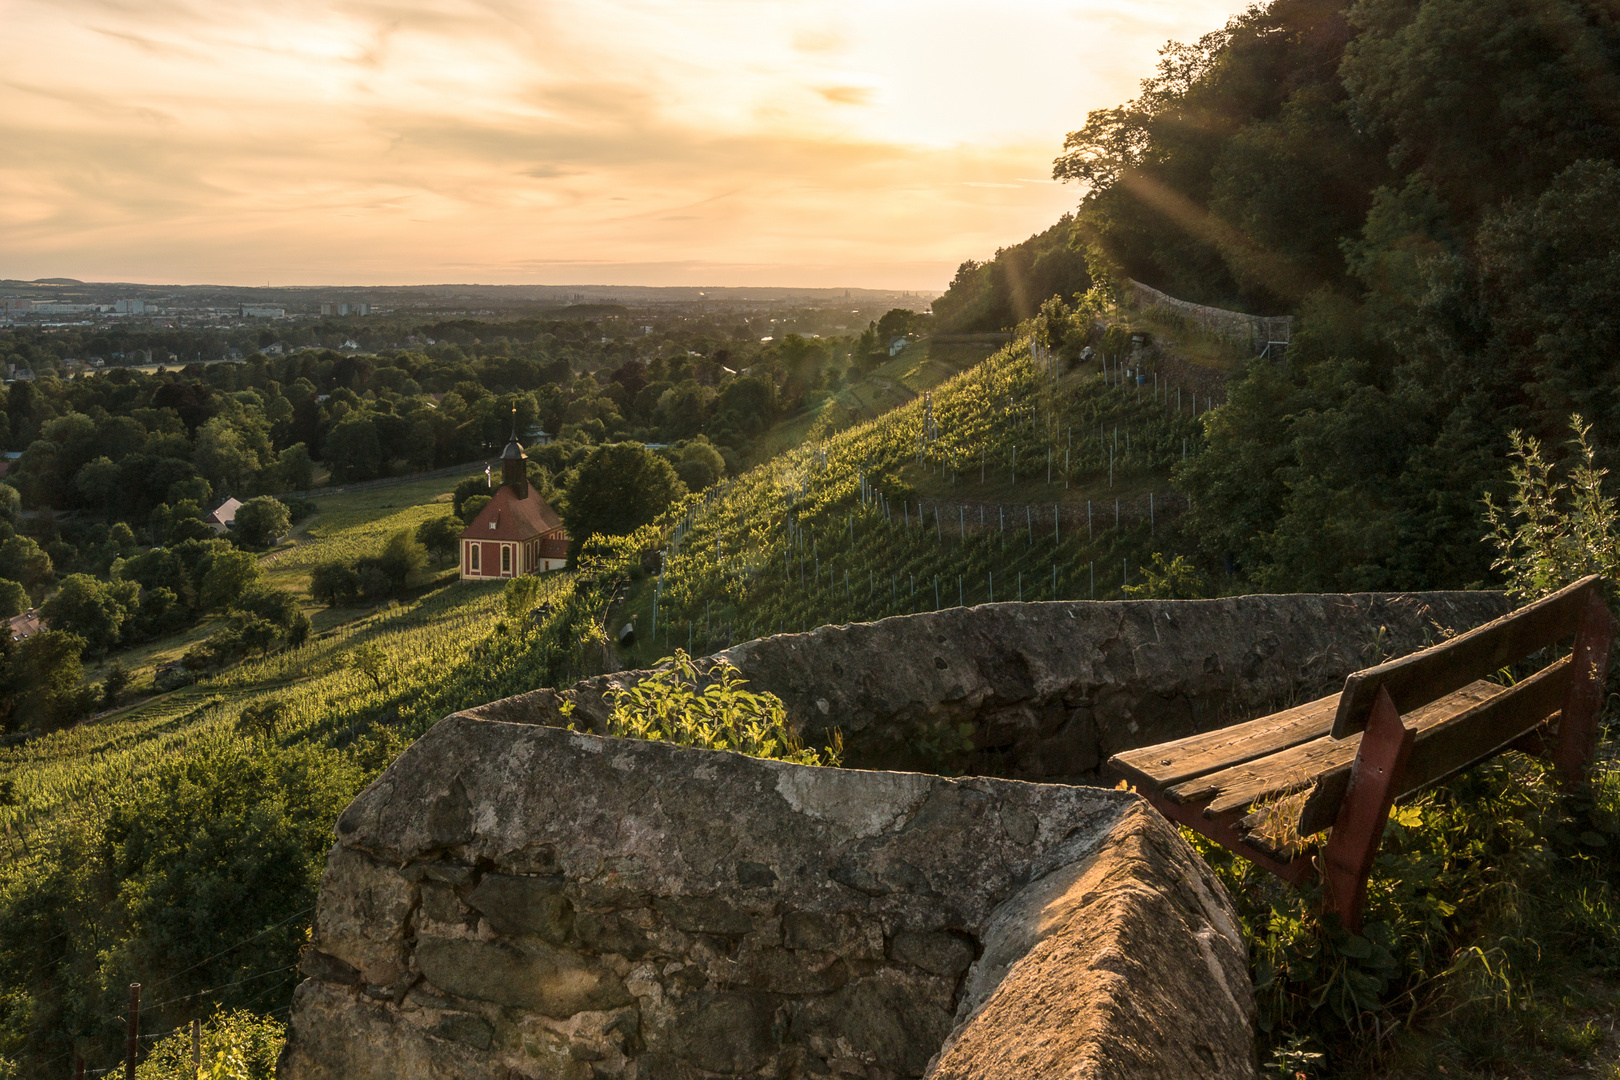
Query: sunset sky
{"points": [[704, 142]]}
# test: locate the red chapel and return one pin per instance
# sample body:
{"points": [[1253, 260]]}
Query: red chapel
{"points": [[517, 533]]}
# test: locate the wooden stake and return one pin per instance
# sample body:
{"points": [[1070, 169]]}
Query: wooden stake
{"points": [[132, 1043]]}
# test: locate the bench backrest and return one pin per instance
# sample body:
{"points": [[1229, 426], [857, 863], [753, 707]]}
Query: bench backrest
{"points": [[1416, 680]]}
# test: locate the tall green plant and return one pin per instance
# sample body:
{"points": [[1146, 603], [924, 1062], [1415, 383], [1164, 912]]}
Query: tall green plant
{"points": [[235, 1045], [669, 706], [1554, 529]]}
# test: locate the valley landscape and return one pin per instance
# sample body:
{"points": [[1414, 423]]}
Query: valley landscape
{"points": [[1328, 312]]}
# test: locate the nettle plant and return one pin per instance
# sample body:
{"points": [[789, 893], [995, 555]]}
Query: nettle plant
{"points": [[712, 711], [1554, 530]]}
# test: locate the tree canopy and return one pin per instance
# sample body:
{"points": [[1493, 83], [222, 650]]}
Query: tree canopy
{"points": [[1422, 183], [617, 489]]}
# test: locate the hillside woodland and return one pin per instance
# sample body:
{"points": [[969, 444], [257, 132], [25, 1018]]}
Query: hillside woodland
{"points": [[1425, 184]]}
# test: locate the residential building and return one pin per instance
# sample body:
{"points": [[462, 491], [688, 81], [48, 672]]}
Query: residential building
{"points": [[223, 514]]}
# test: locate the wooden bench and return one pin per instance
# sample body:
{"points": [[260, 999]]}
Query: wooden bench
{"points": [[1265, 788]]}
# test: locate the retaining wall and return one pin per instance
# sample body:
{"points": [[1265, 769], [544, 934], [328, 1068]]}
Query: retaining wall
{"points": [[513, 902], [1255, 330], [1048, 691]]}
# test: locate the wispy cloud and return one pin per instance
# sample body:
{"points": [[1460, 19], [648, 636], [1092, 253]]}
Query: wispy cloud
{"points": [[821, 141]]}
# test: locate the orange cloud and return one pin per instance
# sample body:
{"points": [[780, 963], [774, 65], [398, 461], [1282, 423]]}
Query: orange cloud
{"points": [[624, 140], [847, 95]]}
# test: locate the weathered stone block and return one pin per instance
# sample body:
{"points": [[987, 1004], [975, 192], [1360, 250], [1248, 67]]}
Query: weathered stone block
{"points": [[703, 915], [467, 1028], [784, 971], [361, 916], [611, 932], [548, 980], [897, 1022], [938, 953], [726, 1033], [525, 905], [840, 933]]}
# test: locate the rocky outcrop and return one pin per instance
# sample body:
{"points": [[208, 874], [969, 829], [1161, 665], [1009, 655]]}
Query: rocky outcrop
{"points": [[1049, 691], [519, 901]]}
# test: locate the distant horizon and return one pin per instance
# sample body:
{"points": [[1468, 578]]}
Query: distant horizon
{"points": [[65, 281], [629, 142]]}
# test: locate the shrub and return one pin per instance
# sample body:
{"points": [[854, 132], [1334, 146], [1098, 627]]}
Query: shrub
{"points": [[334, 584], [1554, 531], [114, 685], [262, 718], [670, 707], [236, 1045]]}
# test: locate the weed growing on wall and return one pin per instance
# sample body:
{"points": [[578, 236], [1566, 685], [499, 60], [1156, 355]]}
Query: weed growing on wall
{"points": [[711, 710]]}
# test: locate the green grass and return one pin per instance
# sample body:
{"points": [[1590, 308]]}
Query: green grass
{"points": [[1188, 343], [347, 527], [894, 383]]}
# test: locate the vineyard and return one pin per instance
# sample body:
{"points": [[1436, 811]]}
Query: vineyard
{"points": [[1015, 480], [246, 772]]}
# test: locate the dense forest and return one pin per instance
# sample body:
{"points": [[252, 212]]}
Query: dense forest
{"points": [[1012, 286], [1428, 186]]}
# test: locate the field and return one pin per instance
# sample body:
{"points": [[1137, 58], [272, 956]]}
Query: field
{"points": [[436, 628]]}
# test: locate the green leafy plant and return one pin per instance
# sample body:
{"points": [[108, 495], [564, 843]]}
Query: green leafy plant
{"points": [[236, 1045], [712, 710], [1489, 896], [1176, 579], [1554, 530]]}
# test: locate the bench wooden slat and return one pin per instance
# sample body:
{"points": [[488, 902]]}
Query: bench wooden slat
{"points": [[1299, 766], [1444, 749], [1157, 767], [1416, 680]]}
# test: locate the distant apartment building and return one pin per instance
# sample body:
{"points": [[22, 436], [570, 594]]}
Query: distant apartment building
{"points": [[130, 307], [13, 303], [253, 311], [345, 309]]}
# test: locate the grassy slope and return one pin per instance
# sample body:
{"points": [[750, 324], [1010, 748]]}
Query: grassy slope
{"points": [[436, 627], [922, 366], [735, 565]]}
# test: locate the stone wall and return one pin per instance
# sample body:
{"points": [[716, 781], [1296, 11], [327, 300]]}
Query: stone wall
{"points": [[515, 901], [1254, 330], [1048, 691]]}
